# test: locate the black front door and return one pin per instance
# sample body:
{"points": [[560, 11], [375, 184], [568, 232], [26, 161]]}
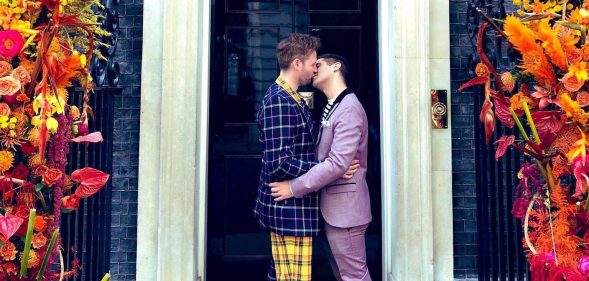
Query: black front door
{"points": [[244, 38]]}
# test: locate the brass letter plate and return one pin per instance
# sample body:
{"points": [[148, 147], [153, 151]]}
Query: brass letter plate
{"points": [[439, 109]]}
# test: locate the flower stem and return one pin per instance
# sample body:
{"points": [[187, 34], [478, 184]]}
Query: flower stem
{"points": [[47, 254], [519, 124], [531, 122], [25, 259]]}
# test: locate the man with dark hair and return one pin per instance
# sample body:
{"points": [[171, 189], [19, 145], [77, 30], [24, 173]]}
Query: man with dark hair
{"points": [[345, 203], [287, 136]]}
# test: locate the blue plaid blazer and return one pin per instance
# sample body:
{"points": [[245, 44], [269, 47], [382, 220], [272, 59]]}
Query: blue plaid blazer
{"points": [[288, 150]]}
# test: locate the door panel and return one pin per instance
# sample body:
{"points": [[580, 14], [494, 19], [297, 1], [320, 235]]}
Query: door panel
{"points": [[243, 65]]}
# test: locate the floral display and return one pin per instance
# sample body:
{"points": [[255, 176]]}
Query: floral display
{"points": [[545, 98], [45, 50]]}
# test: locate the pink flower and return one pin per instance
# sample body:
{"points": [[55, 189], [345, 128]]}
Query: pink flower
{"points": [[543, 95], [520, 207], [584, 265], [9, 85], [581, 173], [10, 43]]}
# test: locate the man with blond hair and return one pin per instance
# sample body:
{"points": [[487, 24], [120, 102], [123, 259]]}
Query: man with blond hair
{"points": [[287, 135]]}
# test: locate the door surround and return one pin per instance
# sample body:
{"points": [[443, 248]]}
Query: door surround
{"points": [[173, 163]]}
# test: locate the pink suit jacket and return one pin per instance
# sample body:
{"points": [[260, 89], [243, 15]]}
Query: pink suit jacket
{"points": [[343, 138]]}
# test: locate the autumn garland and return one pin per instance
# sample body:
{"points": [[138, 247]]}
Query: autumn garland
{"points": [[44, 49], [549, 90]]}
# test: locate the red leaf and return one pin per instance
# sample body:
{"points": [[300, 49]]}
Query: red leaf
{"points": [[488, 118], [548, 121], [474, 81], [9, 224], [502, 104], [90, 180], [50, 4], [92, 137], [502, 144]]}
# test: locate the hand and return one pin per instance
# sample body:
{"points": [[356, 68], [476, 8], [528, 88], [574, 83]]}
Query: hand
{"points": [[352, 169], [281, 190]]}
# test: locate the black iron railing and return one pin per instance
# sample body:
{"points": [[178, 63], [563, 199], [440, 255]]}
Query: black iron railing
{"points": [[499, 234], [86, 232]]}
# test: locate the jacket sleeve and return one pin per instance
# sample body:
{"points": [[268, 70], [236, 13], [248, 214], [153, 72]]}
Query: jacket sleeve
{"points": [[280, 124], [346, 139]]}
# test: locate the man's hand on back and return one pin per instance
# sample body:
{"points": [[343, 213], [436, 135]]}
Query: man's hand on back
{"points": [[281, 190], [352, 169]]}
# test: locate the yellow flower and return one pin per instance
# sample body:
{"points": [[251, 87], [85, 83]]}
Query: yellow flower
{"points": [[57, 104], [6, 159], [52, 124], [579, 69]]}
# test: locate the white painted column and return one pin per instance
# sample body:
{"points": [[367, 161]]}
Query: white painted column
{"points": [[173, 140], [415, 180], [441, 141]]}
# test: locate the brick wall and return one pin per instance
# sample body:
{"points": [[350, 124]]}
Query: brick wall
{"points": [[463, 165], [126, 142]]}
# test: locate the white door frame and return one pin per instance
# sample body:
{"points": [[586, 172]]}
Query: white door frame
{"points": [[171, 238]]}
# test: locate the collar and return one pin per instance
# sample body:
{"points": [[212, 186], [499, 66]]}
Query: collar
{"points": [[341, 96], [295, 95]]}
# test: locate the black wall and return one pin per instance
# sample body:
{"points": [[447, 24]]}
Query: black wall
{"points": [[126, 142]]}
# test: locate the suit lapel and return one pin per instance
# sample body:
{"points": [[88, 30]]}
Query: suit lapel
{"points": [[336, 104]]}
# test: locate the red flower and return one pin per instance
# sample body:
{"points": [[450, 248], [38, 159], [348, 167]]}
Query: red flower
{"points": [[51, 176], [20, 172], [90, 180], [8, 251], [28, 148], [10, 43], [70, 202]]}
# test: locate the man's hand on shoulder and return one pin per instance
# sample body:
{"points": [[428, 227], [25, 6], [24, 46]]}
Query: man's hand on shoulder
{"points": [[281, 190]]}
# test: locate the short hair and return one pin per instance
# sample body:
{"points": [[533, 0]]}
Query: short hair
{"points": [[295, 46], [333, 58]]}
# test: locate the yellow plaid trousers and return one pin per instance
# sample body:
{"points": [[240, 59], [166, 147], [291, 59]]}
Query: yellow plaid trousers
{"points": [[292, 257]]}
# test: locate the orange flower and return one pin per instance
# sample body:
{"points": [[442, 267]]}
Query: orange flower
{"points": [[551, 44], [74, 112], [574, 55], [34, 260], [10, 268], [51, 176], [5, 68], [579, 148], [522, 38], [569, 37], [8, 86], [481, 70], [4, 109], [70, 202], [583, 98], [40, 223], [518, 99], [571, 83], [508, 81], [579, 69], [39, 240], [35, 160], [569, 106], [8, 251], [22, 75], [6, 159], [536, 63]]}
